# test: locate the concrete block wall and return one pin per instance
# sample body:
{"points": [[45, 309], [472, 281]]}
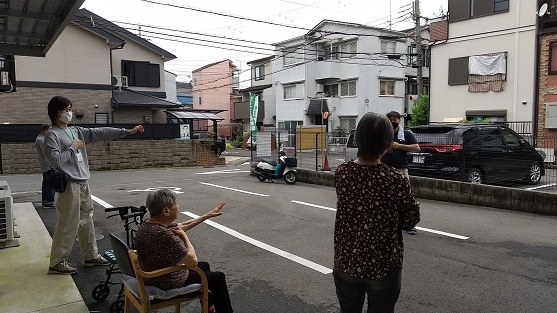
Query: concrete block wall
{"points": [[21, 158], [460, 192]]}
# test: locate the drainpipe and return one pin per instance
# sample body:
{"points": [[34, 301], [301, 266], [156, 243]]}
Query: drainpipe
{"points": [[121, 46], [536, 101]]}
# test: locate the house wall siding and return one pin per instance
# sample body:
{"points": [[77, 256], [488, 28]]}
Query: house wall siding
{"points": [[512, 32], [77, 56]]}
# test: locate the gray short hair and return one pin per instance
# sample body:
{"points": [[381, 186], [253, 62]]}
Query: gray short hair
{"points": [[160, 199], [374, 135]]}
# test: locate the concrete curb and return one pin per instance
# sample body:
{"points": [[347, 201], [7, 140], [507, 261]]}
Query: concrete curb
{"points": [[506, 198]]}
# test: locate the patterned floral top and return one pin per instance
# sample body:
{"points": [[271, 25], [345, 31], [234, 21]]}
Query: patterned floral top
{"points": [[374, 204], [157, 247]]}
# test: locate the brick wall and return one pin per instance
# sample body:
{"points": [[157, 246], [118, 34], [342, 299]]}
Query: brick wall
{"points": [[547, 87], [21, 158]]}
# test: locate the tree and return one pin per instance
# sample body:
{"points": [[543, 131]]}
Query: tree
{"points": [[420, 111]]}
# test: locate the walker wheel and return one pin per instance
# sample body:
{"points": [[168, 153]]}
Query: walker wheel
{"points": [[117, 306], [100, 292]]}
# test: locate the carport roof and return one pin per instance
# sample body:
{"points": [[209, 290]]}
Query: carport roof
{"points": [[195, 115], [29, 28]]}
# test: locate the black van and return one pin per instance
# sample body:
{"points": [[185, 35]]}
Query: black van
{"points": [[476, 153]]}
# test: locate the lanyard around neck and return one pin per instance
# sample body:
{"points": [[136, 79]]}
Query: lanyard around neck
{"points": [[72, 138]]}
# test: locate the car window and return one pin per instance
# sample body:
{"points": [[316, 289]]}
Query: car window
{"points": [[491, 139], [510, 138]]}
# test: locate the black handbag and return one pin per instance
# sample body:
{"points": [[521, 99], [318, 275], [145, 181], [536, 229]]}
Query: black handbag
{"points": [[58, 182]]}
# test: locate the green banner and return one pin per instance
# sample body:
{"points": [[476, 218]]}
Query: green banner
{"points": [[253, 110]]}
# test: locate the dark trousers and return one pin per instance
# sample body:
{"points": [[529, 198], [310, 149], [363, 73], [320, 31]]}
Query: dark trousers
{"points": [[47, 193], [382, 294], [219, 296]]}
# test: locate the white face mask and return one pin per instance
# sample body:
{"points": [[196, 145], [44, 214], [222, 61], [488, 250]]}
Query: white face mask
{"points": [[66, 117]]}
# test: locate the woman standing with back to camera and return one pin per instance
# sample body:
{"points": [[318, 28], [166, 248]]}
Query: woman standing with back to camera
{"points": [[375, 203]]}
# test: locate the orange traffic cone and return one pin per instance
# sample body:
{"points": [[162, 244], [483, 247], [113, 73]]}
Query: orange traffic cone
{"points": [[325, 164]]}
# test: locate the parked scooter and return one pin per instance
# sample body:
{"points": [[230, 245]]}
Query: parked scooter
{"points": [[270, 169]]}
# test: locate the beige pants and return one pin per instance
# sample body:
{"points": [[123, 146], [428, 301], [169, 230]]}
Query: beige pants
{"points": [[75, 218]]}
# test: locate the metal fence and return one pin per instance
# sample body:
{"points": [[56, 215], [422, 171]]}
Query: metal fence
{"points": [[494, 160]]}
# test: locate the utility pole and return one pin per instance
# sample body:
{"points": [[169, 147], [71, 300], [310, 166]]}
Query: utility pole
{"points": [[418, 39]]}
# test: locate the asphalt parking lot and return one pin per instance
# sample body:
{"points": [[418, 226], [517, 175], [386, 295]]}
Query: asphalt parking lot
{"points": [[275, 244]]}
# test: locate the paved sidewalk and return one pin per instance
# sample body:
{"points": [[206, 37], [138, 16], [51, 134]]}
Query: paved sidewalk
{"points": [[25, 285]]}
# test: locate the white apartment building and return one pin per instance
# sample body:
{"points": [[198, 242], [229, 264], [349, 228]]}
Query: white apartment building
{"points": [[344, 69], [485, 69]]}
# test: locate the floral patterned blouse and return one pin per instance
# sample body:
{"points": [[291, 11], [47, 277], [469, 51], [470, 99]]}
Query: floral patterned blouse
{"points": [[375, 203], [157, 247]]}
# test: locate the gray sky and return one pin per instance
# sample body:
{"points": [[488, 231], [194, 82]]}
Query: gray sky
{"points": [[173, 18]]}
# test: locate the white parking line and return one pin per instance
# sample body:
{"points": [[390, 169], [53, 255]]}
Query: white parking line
{"points": [[257, 243], [238, 190], [101, 202], [542, 186], [236, 170], [314, 205], [438, 232]]}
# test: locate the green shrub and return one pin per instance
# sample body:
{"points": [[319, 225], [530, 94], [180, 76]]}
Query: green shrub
{"points": [[420, 111]]}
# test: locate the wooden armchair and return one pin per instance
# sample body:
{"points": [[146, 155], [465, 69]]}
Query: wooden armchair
{"points": [[146, 298]]}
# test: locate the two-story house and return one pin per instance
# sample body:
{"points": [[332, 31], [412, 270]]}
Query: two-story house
{"points": [[485, 68], [215, 86], [109, 74], [261, 85], [344, 69]]}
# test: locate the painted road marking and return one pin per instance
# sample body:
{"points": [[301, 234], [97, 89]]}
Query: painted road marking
{"points": [[101, 202], [232, 171], [314, 205], [542, 186], [264, 246], [152, 189], [233, 189], [438, 232]]}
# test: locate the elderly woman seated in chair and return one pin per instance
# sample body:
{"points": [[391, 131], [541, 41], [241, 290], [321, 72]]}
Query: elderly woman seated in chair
{"points": [[161, 242]]}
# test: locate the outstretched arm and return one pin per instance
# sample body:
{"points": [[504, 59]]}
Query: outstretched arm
{"points": [[189, 224]]}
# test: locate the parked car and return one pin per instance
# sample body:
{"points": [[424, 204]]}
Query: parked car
{"points": [[351, 150], [475, 153], [218, 145]]}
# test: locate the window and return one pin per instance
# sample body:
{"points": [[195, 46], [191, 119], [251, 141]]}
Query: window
{"points": [[259, 72], [458, 71], [344, 50], [293, 56], [348, 88], [347, 123], [412, 56], [141, 74], [388, 46], [289, 91], [101, 118], [387, 87], [331, 90], [510, 138], [466, 9], [199, 100], [552, 69]]}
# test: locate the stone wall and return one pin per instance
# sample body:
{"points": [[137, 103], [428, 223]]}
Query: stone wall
{"points": [[21, 158]]}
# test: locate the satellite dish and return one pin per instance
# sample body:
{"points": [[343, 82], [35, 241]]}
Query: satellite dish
{"points": [[542, 10], [440, 11]]}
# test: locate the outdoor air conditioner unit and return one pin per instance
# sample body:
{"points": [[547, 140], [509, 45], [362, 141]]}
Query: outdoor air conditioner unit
{"points": [[120, 81], [7, 233], [548, 154], [320, 88]]}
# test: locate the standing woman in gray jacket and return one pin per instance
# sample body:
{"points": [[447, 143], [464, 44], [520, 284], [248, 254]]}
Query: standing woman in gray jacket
{"points": [[65, 150]]}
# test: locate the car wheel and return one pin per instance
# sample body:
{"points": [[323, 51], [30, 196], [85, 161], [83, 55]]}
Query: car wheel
{"points": [[261, 178], [290, 178], [534, 173], [475, 176]]}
